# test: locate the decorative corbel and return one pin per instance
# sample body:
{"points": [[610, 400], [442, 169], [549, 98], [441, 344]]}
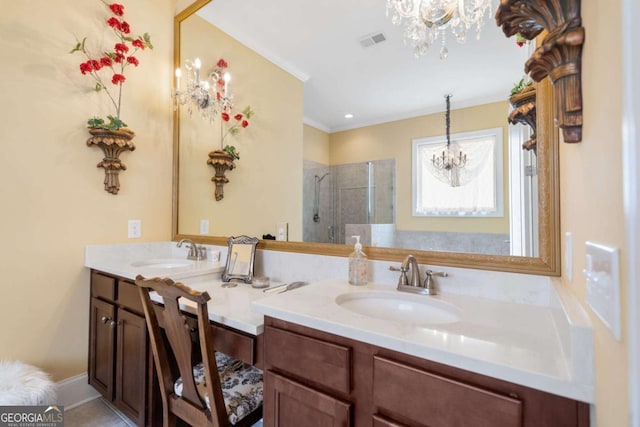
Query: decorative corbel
{"points": [[559, 56], [221, 161], [524, 111], [112, 143]]}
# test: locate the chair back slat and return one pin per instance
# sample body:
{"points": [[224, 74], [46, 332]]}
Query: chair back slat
{"points": [[177, 341], [178, 333]]}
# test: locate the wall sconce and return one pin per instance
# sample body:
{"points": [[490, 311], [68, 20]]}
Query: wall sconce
{"points": [[208, 96]]}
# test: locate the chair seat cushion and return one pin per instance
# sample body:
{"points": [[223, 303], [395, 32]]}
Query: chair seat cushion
{"points": [[241, 386]]}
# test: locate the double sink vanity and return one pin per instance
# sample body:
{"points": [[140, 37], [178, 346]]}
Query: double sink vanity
{"points": [[339, 355]]}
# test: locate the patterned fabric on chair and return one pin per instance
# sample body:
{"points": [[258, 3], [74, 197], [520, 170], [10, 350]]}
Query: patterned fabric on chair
{"points": [[241, 386]]}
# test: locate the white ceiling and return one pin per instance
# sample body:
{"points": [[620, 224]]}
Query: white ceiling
{"points": [[318, 42]]}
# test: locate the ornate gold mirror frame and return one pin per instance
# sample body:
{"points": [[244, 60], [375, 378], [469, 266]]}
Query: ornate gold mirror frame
{"points": [[548, 262]]}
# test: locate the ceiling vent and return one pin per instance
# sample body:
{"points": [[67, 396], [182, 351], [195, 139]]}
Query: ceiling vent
{"points": [[372, 39]]}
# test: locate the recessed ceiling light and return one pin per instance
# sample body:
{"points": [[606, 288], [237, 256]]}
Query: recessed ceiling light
{"points": [[348, 116]]}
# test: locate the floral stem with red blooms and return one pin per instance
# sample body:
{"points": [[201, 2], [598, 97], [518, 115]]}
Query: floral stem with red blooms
{"points": [[241, 122], [115, 61]]}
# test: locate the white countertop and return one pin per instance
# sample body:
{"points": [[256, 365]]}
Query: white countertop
{"points": [[228, 306], [129, 260], [514, 342]]}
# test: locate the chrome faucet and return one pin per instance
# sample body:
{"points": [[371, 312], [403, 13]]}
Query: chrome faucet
{"points": [[409, 263], [414, 285], [196, 252]]}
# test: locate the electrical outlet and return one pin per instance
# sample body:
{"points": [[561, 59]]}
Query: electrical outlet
{"points": [[134, 230], [282, 231], [204, 226]]}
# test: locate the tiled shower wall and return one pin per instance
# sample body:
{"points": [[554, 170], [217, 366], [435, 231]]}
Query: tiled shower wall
{"points": [[344, 198]]}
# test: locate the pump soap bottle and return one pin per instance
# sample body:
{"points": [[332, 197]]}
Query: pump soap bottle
{"points": [[358, 265]]}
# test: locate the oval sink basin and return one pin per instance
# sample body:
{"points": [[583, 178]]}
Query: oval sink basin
{"points": [[164, 263], [398, 307]]}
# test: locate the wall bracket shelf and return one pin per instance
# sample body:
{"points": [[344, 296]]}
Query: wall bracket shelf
{"points": [[112, 143], [559, 56], [524, 111], [222, 162]]}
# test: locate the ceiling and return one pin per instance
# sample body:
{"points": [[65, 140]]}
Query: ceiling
{"points": [[318, 41]]}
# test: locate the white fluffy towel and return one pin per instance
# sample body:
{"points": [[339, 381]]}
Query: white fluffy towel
{"points": [[22, 384]]}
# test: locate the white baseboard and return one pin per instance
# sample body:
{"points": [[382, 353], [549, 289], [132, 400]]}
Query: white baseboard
{"points": [[75, 391]]}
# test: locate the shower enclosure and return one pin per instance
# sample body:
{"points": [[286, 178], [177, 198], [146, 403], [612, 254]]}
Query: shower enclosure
{"points": [[349, 199]]}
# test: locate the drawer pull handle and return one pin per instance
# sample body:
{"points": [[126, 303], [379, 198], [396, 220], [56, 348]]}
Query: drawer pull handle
{"points": [[113, 324], [105, 319]]}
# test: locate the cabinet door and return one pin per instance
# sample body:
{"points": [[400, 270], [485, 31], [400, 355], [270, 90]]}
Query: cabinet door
{"points": [[289, 403], [102, 346], [131, 363]]}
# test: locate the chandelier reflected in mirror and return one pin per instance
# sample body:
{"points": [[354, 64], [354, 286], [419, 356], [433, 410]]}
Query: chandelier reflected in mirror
{"points": [[427, 21], [452, 158], [207, 96]]}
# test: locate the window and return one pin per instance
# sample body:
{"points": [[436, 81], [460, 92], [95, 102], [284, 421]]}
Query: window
{"points": [[476, 188]]}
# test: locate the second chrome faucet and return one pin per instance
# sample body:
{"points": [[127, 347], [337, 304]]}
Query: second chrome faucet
{"points": [[196, 252], [414, 284]]}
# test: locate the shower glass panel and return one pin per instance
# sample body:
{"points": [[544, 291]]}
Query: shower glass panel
{"points": [[340, 199]]}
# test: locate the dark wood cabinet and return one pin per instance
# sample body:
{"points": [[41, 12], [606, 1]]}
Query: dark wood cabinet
{"points": [[101, 346], [132, 353], [118, 346], [315, 377]]}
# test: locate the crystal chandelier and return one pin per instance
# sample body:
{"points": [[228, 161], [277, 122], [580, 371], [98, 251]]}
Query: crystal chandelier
{"points": [[208, 96], [452, 158], [427, 20]]}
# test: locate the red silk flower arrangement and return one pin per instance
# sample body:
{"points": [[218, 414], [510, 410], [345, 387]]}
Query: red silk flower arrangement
{"points": [[240, 122], [107, 69]]}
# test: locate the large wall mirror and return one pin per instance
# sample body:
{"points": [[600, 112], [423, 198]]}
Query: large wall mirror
{"points": [[327, 177]]}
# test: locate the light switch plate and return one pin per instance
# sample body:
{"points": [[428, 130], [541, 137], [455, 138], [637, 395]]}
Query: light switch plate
{"points": [[568, 255], [134, 228], [282, 231], [603, 284], [204, 226]]}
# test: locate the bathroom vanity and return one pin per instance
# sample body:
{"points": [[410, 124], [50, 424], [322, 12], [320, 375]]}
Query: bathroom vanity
{"points": [[445, 360], [341, 355]]}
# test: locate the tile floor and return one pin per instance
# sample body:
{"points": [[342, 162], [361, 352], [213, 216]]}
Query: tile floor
{"points": [[100, 413]]}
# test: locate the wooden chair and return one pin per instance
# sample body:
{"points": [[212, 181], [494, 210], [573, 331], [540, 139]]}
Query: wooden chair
{"points": [[219, 391]]}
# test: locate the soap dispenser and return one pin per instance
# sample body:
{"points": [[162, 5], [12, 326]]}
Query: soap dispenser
{"points": [[358, 265]]}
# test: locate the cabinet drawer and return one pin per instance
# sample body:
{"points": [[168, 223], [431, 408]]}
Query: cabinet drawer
{"points": [[103, 286], [129, 297], [405, 392], [321, 362], [288, 403]]}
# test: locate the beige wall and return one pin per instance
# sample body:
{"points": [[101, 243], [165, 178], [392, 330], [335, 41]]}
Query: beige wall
{"points": [[53, 201], [268, 177], [393, 140], [591, 194], [316, 145]]}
